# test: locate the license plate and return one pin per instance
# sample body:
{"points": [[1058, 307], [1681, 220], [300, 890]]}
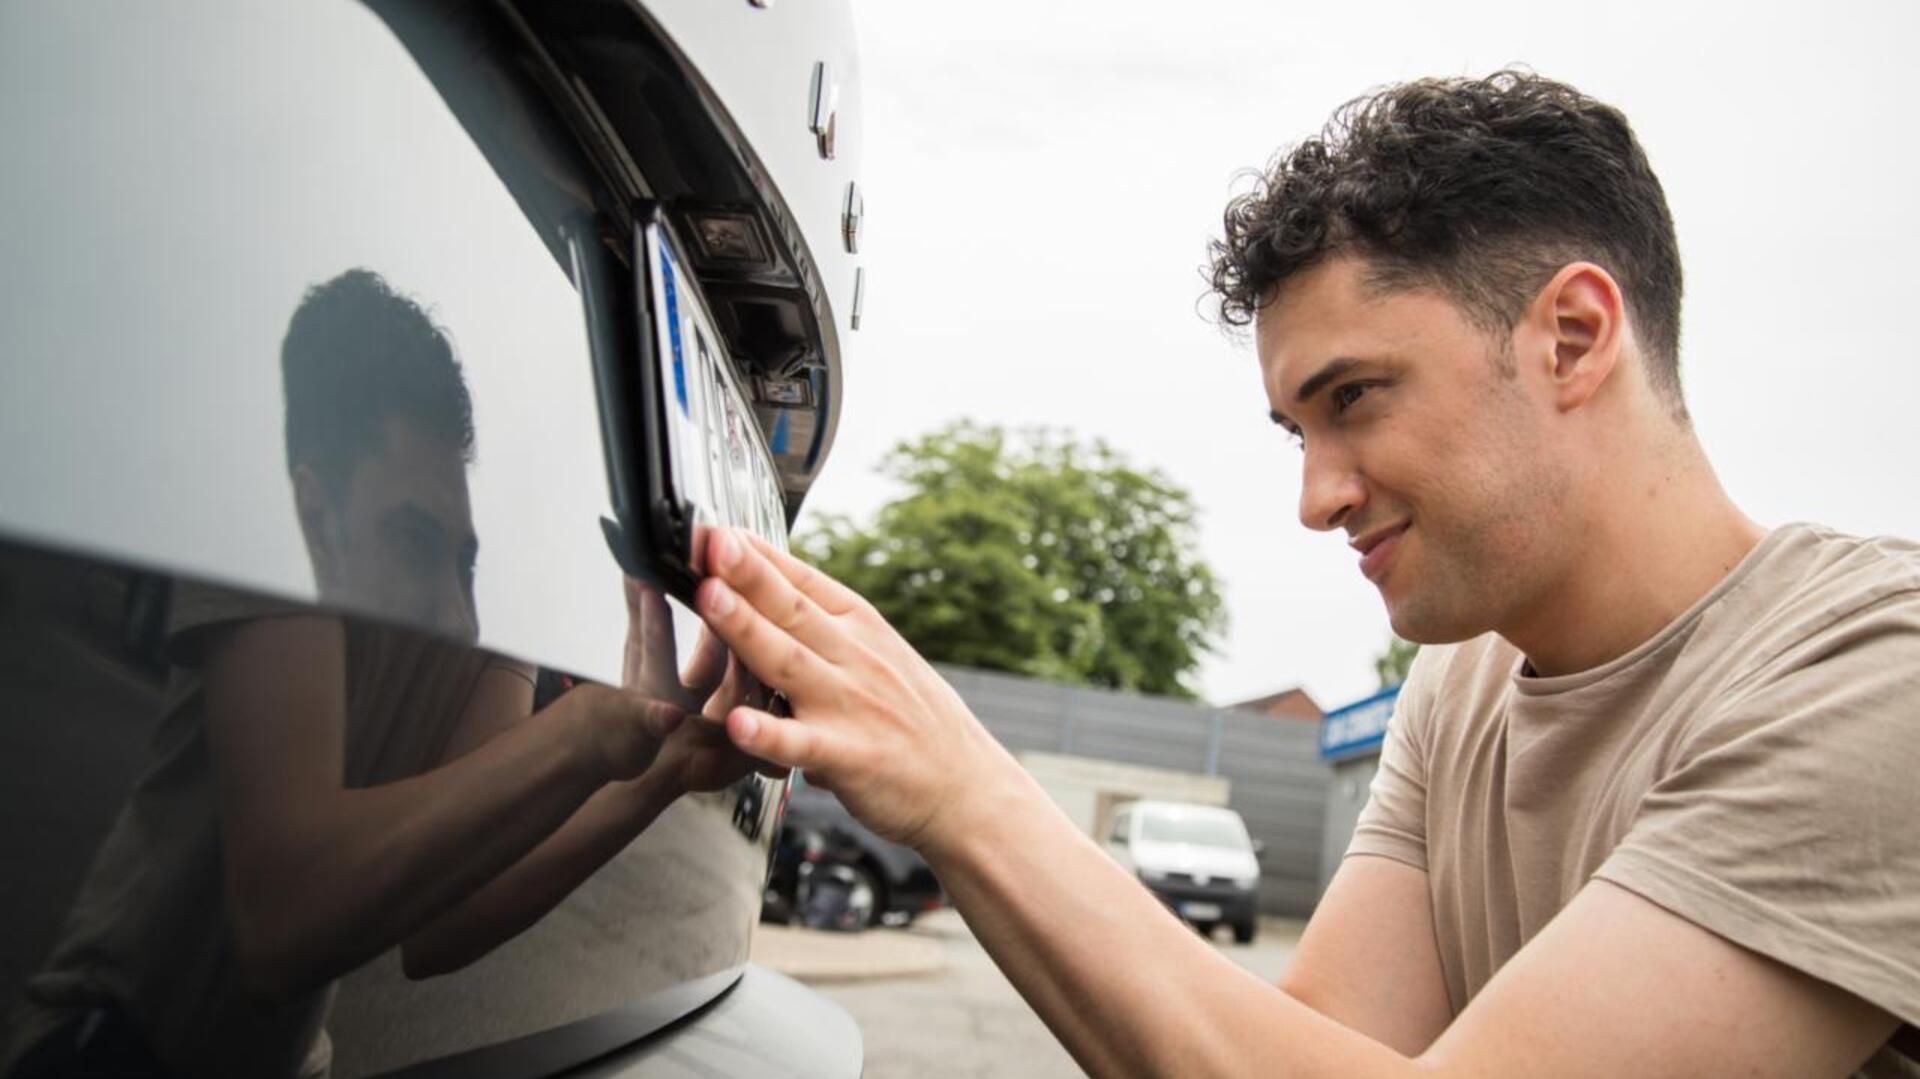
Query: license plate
{"points": [[717, 459], [1201, 911], [711, 461]]}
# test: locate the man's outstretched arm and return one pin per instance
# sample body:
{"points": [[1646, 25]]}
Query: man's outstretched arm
{"points": [[322, 877], [1369, 958], [1614, 986]]}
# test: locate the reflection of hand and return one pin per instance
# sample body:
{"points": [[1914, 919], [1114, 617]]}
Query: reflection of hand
{"points": [[623, 729], [872, 720], [651, 654], [697, 756]]}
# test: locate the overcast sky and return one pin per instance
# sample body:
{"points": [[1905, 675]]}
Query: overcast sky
{"points": [[1041, 181]]}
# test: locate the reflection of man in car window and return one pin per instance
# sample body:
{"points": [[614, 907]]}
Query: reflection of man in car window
{"points": [[324, 788], [379, 434]]}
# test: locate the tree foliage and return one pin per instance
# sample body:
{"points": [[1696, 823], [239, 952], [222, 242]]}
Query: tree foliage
{"points": [[1033, 553], [1392, 665]]}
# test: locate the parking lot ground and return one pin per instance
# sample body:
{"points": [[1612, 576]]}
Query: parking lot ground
{"points": [[821, 958], [962, 1018]]}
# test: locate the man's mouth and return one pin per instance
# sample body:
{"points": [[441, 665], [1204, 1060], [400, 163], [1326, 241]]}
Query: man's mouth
{"points": [[1377, 548]]}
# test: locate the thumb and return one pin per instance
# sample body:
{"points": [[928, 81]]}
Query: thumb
{"points": [[785, 742], [627, 727]]}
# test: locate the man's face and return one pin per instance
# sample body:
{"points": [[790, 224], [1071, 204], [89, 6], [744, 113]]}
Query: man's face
{"points": [[401, 539], [1420, 444]]}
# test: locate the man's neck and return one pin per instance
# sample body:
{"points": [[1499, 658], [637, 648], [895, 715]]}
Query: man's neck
{"points": [[1648, 551]]}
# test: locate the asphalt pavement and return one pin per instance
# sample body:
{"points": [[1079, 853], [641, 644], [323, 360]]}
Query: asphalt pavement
{"points": [[931, 1005]]}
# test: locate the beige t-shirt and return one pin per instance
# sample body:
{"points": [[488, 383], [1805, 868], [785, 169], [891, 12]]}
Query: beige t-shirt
{"points": [[150, 931], [1753, 768]]}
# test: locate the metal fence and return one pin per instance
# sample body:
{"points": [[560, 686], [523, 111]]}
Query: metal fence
{"points": [[1279, 784]]}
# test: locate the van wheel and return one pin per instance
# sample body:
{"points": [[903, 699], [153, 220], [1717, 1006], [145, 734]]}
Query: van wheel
{"points": [[1205, 929], [1243, 932]]}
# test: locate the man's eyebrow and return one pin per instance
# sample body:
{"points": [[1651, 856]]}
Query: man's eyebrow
{"points": [[1319, 379], [1334, 368]]}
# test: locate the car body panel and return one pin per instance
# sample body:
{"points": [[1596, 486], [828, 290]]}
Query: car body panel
{"points": [[183, 181]]}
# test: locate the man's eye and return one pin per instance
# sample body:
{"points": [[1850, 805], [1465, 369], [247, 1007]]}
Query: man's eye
{"points": [[1344, 396]]}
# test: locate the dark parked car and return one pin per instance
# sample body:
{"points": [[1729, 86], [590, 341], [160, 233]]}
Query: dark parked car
{"points": [[831, 871], [368, 370]]}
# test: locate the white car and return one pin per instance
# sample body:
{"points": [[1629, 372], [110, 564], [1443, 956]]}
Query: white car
{"points": [[1198, 859]]}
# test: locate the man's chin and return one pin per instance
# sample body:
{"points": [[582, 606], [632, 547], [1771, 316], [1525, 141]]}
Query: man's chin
{"points": [[1416, 625]]}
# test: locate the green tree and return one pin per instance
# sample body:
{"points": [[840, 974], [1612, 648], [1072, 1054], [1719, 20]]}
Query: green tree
{"points": [[1392, 664], [1032, 553]]}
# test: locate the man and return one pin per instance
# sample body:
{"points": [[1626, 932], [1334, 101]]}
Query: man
{"points": [[1647, 805], [326, 787]]}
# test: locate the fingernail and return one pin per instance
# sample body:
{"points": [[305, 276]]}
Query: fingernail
{"points": [[719, 599], [723, 549], [746, 725]]}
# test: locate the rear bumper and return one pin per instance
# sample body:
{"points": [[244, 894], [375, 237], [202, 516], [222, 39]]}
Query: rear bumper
{"points": [[767, 1024], [759, 1023]]}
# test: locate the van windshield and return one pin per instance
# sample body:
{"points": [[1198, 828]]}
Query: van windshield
{"points": [[1197, 831]]}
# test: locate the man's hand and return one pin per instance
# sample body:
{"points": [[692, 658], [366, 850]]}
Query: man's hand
{"points": [[642, 754], [872, 720], [696, 756], [652, 653]]}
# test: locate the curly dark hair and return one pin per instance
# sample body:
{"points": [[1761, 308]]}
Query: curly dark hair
{"points": [[356, 353], [1479, 188]]}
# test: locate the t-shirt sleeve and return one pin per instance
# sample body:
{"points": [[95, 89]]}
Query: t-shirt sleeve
{"points": [[195, 608], [1393, 824], [1787, 824]]}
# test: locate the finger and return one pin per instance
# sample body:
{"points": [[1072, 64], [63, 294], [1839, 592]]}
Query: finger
{"points": [[697, 550], [831, 596], [707, 667], [628, 727], [647, 662], [768, 651], [756, 580], [787, 742], [751, 574], [637, 712], [661, 718], [656, 631]]}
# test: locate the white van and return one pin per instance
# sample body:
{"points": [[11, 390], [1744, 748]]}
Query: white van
{"points": [[1198, 859]]}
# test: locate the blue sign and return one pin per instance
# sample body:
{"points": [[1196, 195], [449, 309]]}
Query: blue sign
{"points": [[1357, 729]]}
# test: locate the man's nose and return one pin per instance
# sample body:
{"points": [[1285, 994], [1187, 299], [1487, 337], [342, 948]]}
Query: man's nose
{"points": [[1330, 488]]}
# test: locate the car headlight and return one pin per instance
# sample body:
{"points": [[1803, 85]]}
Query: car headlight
{"points": [[1247, 884]]}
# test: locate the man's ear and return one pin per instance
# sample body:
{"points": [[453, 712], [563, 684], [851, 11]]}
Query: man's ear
{"points": [[319, 524], [1576, 326]]}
